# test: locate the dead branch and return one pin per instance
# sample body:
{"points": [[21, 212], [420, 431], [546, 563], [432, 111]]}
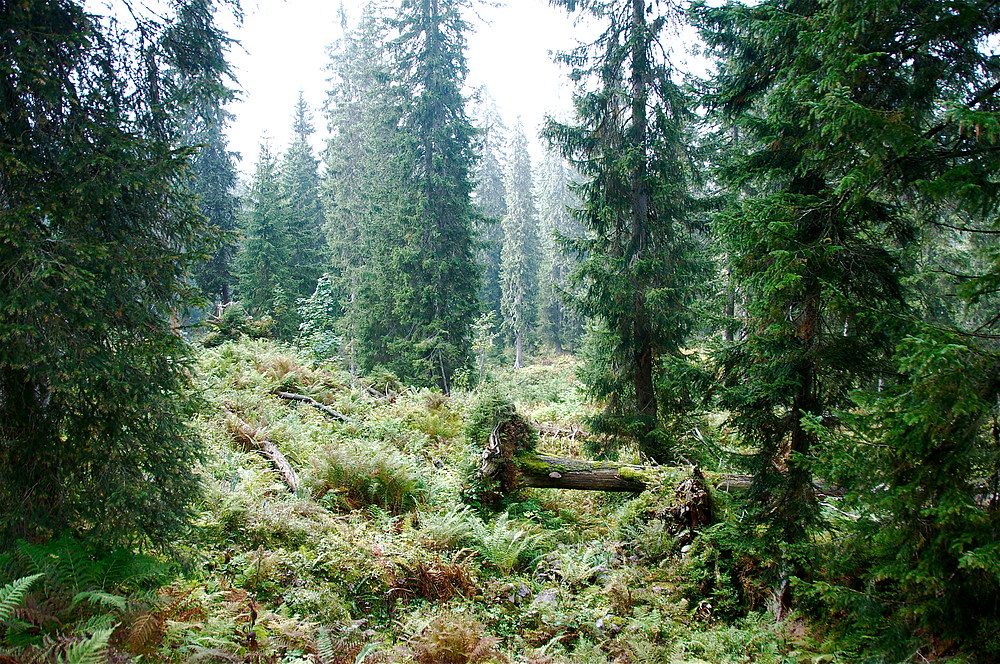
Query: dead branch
{"points": [[309, 401]]}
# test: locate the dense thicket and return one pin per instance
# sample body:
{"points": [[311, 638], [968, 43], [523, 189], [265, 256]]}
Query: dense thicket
{"points": [[864, 128], [99, 234]]}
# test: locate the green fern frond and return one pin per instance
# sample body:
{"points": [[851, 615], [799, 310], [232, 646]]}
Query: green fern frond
{"points": [[89, 650], [324, 646], [100, 598], [12, 594], [363, 655]]}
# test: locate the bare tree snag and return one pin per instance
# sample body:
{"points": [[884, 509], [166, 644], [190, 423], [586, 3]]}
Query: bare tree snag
{"points": [[257, 440], [323, 408]]}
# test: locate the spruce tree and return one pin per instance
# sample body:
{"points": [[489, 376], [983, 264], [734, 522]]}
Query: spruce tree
{"points": [[197, 68], [519, 257], [637, 257], [299, 187], [263, 257], [560, 324], [863, 123], [437, 274], [213, 181], [490, 199], [367, 165], [99, 236]]}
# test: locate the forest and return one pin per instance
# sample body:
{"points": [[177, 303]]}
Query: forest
{"points": [[714, 380]]}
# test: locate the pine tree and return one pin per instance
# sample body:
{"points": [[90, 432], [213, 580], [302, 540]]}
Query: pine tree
{"points": [[99, 236], [519, 258], [637, 258], [299, 185]]}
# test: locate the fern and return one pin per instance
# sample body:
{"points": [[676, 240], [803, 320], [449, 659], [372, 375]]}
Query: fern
{"points": [[145, 633], [324, 646], [100, 598], [503, 544], [363, 655], [89, 650], [12, 594]]}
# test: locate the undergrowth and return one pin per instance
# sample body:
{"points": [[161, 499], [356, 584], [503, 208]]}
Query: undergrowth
{"points": [[376, 558]]}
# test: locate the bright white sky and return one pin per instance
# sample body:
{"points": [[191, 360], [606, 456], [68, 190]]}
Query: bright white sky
{"points": [[284, 50]]}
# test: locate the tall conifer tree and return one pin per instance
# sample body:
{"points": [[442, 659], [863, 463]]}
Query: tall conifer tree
{"points": [[438, 279], [560, 324], [262, 260], [299, 185], [368, 164], [202, 77], [637, 259], [490, 199], [519, 257], [863, 120], [99, 236]]}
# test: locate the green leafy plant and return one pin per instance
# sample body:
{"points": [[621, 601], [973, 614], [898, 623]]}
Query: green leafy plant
{"points": [[13, 593], [504, 543]]}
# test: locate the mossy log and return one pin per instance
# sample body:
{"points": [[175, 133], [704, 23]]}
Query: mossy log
{"points": [[546, 472]]}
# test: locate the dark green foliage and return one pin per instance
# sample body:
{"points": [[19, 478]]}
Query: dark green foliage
{"points": [[922, 466], [858, 123], [214, 177], [398, 197], [438, 281], [489, 197], [299, 186], [99, 235], [490, 410], [559, 324], [262, 263], [638, 260], [197, 51], [361, 191]]}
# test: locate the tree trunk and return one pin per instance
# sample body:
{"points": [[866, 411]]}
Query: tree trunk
{"points": [[547, 472], [518, 350], [257, 440]]}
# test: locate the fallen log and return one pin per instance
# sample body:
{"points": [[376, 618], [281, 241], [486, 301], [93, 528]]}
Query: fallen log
{"points": [[546, 472], [257, 440], [540, 471], [556, 432], [309, 401]]}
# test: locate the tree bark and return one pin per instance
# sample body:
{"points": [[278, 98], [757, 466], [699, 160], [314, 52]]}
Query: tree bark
{"points": [[547, 472]]}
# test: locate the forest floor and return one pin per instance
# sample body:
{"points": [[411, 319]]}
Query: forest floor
{"points": [[376, 556]]}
